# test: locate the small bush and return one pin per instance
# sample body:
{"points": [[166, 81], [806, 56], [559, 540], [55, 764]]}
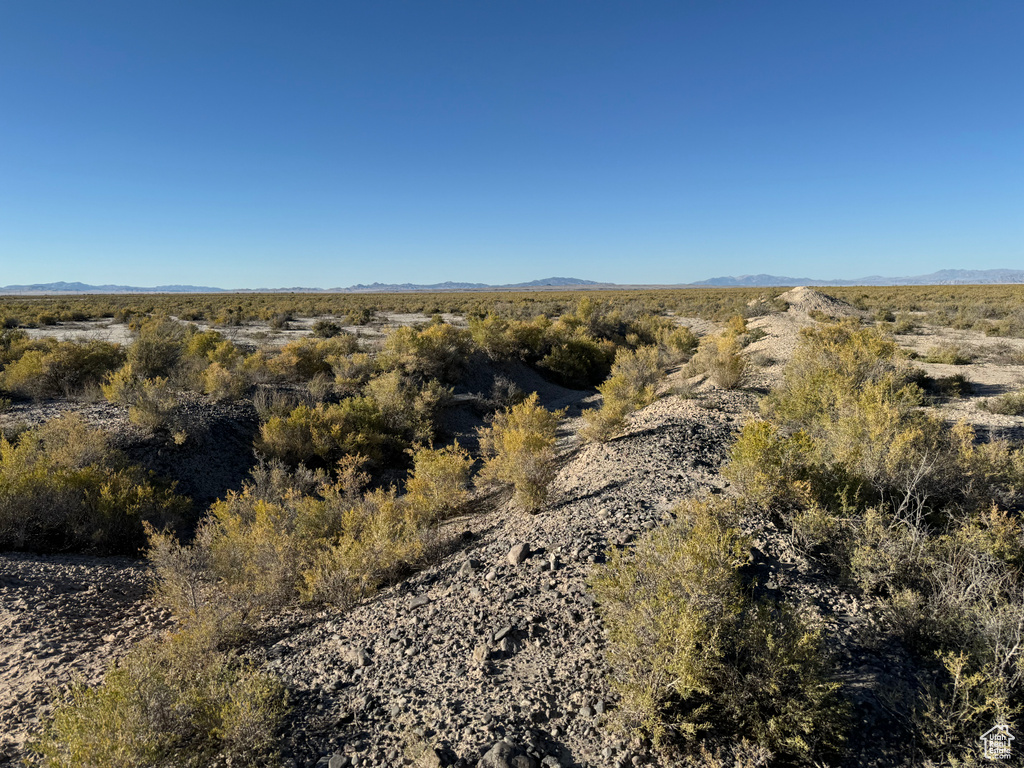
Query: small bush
{"points": [[719, 357], [220, 383], [158, 348], [61, 369], [1010, 404], [439, 479], [303, 359], [439, 351], [152, 404], [325, 433], [181, 702], [630, 387], [519, 447], [949, 354], [289, 537], [326, 329], [351, 372]]}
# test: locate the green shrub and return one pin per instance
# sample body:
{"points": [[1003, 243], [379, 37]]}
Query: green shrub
{"points": [[407, 410], [181, 702], [290, 537], [493, 335], [519, 447], [630, 387], [578, 360], [325, 433], [221, 383], [61, 369], [158, 348], [694, 656], [62, 488], [351, 372], [152, 404], [439, 351], [303, 359], [326, 329]]}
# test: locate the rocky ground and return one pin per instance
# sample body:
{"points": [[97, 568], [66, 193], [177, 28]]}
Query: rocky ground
{"points": [[493, 654]]}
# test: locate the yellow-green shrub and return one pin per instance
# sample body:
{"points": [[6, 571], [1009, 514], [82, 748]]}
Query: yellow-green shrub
{"points": [[60, 368], [181, 702], [439, 479], [351, 372], [325, 432], [62, 488], [693, 655], [152, 404], [630, 387], [519, 447], [439, 351], [221, 383], [285, 538], [303, 359], [406, 410], [575, 358], [719, 357], [158, 348]]}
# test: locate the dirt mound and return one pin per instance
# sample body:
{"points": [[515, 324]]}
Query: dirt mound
{"points": [[807, 300]]}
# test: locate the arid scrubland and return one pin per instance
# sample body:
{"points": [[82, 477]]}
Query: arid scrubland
{"points": [[705, 527]]}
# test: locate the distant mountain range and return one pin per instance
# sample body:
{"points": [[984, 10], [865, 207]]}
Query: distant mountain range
{"points": [[62, 287], [942, 277]]}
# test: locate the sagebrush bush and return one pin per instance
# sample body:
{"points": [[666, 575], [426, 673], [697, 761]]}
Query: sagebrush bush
{"points": [[60, 369], [158, 348], [324, 433], [630, 387], [351, 372], [577, 359], [719, 357], [180, 702], [908, 510], [1009, 404], [694, 655], [152, 403], [950, 354], [439, 479], [519, 450], [303, 359], [62, 488], [326, 329], [439, 351], [287, 537]]}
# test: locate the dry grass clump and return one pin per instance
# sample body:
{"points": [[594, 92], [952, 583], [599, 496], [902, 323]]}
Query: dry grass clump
{"points": [[694, 655]]}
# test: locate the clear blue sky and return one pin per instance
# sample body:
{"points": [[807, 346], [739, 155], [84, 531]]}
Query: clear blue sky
{"points": [[255, 144]]}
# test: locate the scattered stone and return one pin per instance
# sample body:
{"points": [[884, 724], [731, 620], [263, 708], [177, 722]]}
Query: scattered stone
{"points": [[518, 554]]}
